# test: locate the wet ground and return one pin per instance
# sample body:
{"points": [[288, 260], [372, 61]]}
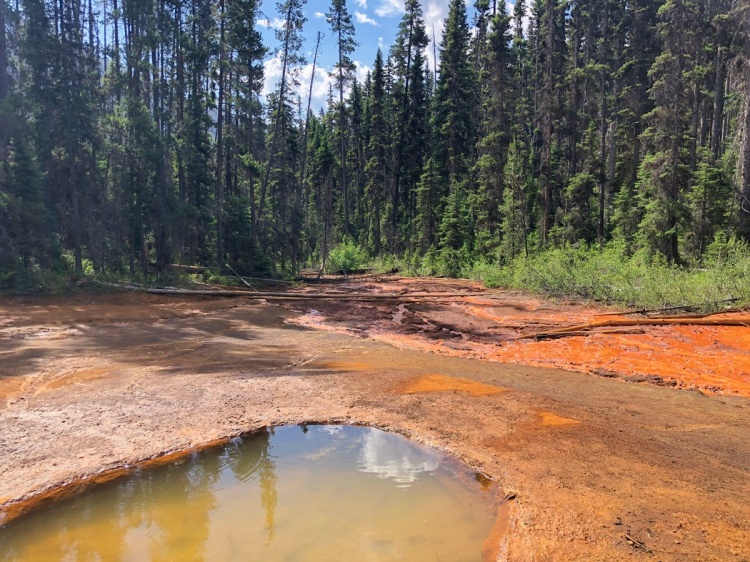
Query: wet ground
{"points": [[594, 467]]}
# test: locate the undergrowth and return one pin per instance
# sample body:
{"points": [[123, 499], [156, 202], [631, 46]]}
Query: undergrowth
{"points": [[610, 276], [638, 281]]}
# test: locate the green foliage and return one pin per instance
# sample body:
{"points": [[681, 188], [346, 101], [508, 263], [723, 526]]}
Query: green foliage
{"points": [[708, 204], [346, 257], [616, 123], [578, 221], [612, 277], [36, 281]]}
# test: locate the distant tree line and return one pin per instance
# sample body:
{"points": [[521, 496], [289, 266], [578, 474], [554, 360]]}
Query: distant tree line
{"points": [[133, 134]]}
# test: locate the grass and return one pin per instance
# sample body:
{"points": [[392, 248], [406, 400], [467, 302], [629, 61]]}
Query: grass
{"points": [[609, 276], [637, 281]]}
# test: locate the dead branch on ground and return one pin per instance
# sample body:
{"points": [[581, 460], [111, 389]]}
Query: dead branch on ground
{"points": [[586, 329]]}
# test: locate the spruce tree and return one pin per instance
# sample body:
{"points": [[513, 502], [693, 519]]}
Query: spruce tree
{"points": [[376, 171], [665, 184], [411, 98], [454, 132], [496, 132], [455, 97], [514, 209], [341, 24]]}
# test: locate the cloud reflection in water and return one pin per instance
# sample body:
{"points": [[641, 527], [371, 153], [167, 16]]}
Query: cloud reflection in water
{"points": [[390, 456]]}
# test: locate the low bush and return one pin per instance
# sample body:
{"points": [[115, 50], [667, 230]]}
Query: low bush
{"points": [[346, 257], [636, 281]]}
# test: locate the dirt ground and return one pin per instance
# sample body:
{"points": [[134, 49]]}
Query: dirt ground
{"points": [[649, 459]]}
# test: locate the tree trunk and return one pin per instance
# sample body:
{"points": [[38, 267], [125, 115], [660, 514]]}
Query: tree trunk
{"points": [[77, 234], [4, 79], [309, 103], [220, 146], [342, 119], [716, 136], [603, 132], [744, 212], [546, 163], [4, 82], [280, 104]]}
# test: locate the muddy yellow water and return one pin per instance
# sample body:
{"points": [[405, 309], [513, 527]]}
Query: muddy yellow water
{"points": [[290, 494]]}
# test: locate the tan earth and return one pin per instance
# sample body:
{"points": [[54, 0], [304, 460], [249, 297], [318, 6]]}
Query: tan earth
{"points": [[590, 467]]}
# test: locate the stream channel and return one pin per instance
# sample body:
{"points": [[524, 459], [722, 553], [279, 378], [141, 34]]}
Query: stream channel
{"points": [[291, 493]]}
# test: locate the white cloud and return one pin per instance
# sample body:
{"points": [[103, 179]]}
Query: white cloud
{"points": [[364, 18], [320, 85], [389, 8], [276, 23], [319, 15], [323, 80], [435, 13], [509, 6], [362, 3], [387, 456], [381, 44], [271, 74], [361, 71]]}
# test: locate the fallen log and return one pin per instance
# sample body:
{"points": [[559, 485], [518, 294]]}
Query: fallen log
{"points": [[271, 281], [558, 335], [685, 307], [186, 268], [240, 278], [584, 329], [304, 296], [339, 278]]}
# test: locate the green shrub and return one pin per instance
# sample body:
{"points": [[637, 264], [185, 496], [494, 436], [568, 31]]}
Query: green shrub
{"points": [[640, 281], [346, 257]]}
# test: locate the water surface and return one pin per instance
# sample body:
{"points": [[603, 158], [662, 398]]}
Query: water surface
{"points": [[315, 493]]}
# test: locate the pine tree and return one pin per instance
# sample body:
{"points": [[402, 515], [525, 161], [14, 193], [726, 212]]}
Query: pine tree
{"points": [[665, 186], [411, 98], [4, 80], [742, 13], [356, 155], [550, 55], [455, 132], [708, 202], [496, 132], [291, 40], [455, 96], [376, 151], [27, 222], [514, 208], [427, 207], [341, 24], [640, 49], [322, 170], [247, 69]]}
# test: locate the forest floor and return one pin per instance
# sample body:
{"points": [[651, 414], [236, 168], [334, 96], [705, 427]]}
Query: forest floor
{"points": [[617, 443]]}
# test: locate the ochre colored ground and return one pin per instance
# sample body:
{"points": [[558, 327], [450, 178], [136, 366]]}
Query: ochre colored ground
{"points": [[712, 359], [588, 467], [442, 383]]}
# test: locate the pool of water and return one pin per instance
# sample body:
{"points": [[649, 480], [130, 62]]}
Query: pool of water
{"points": [[293, 493]]}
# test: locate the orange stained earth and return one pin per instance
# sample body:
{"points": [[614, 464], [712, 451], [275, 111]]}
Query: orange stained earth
{"points": [[497, 325], [715, 358], [599, 466], [442, 383], [553, 420]]}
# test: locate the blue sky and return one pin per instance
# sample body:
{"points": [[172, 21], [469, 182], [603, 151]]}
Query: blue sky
{"points": [[376, 23]]}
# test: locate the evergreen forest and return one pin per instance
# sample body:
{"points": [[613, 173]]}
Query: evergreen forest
{"points": [[134, 135]]}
